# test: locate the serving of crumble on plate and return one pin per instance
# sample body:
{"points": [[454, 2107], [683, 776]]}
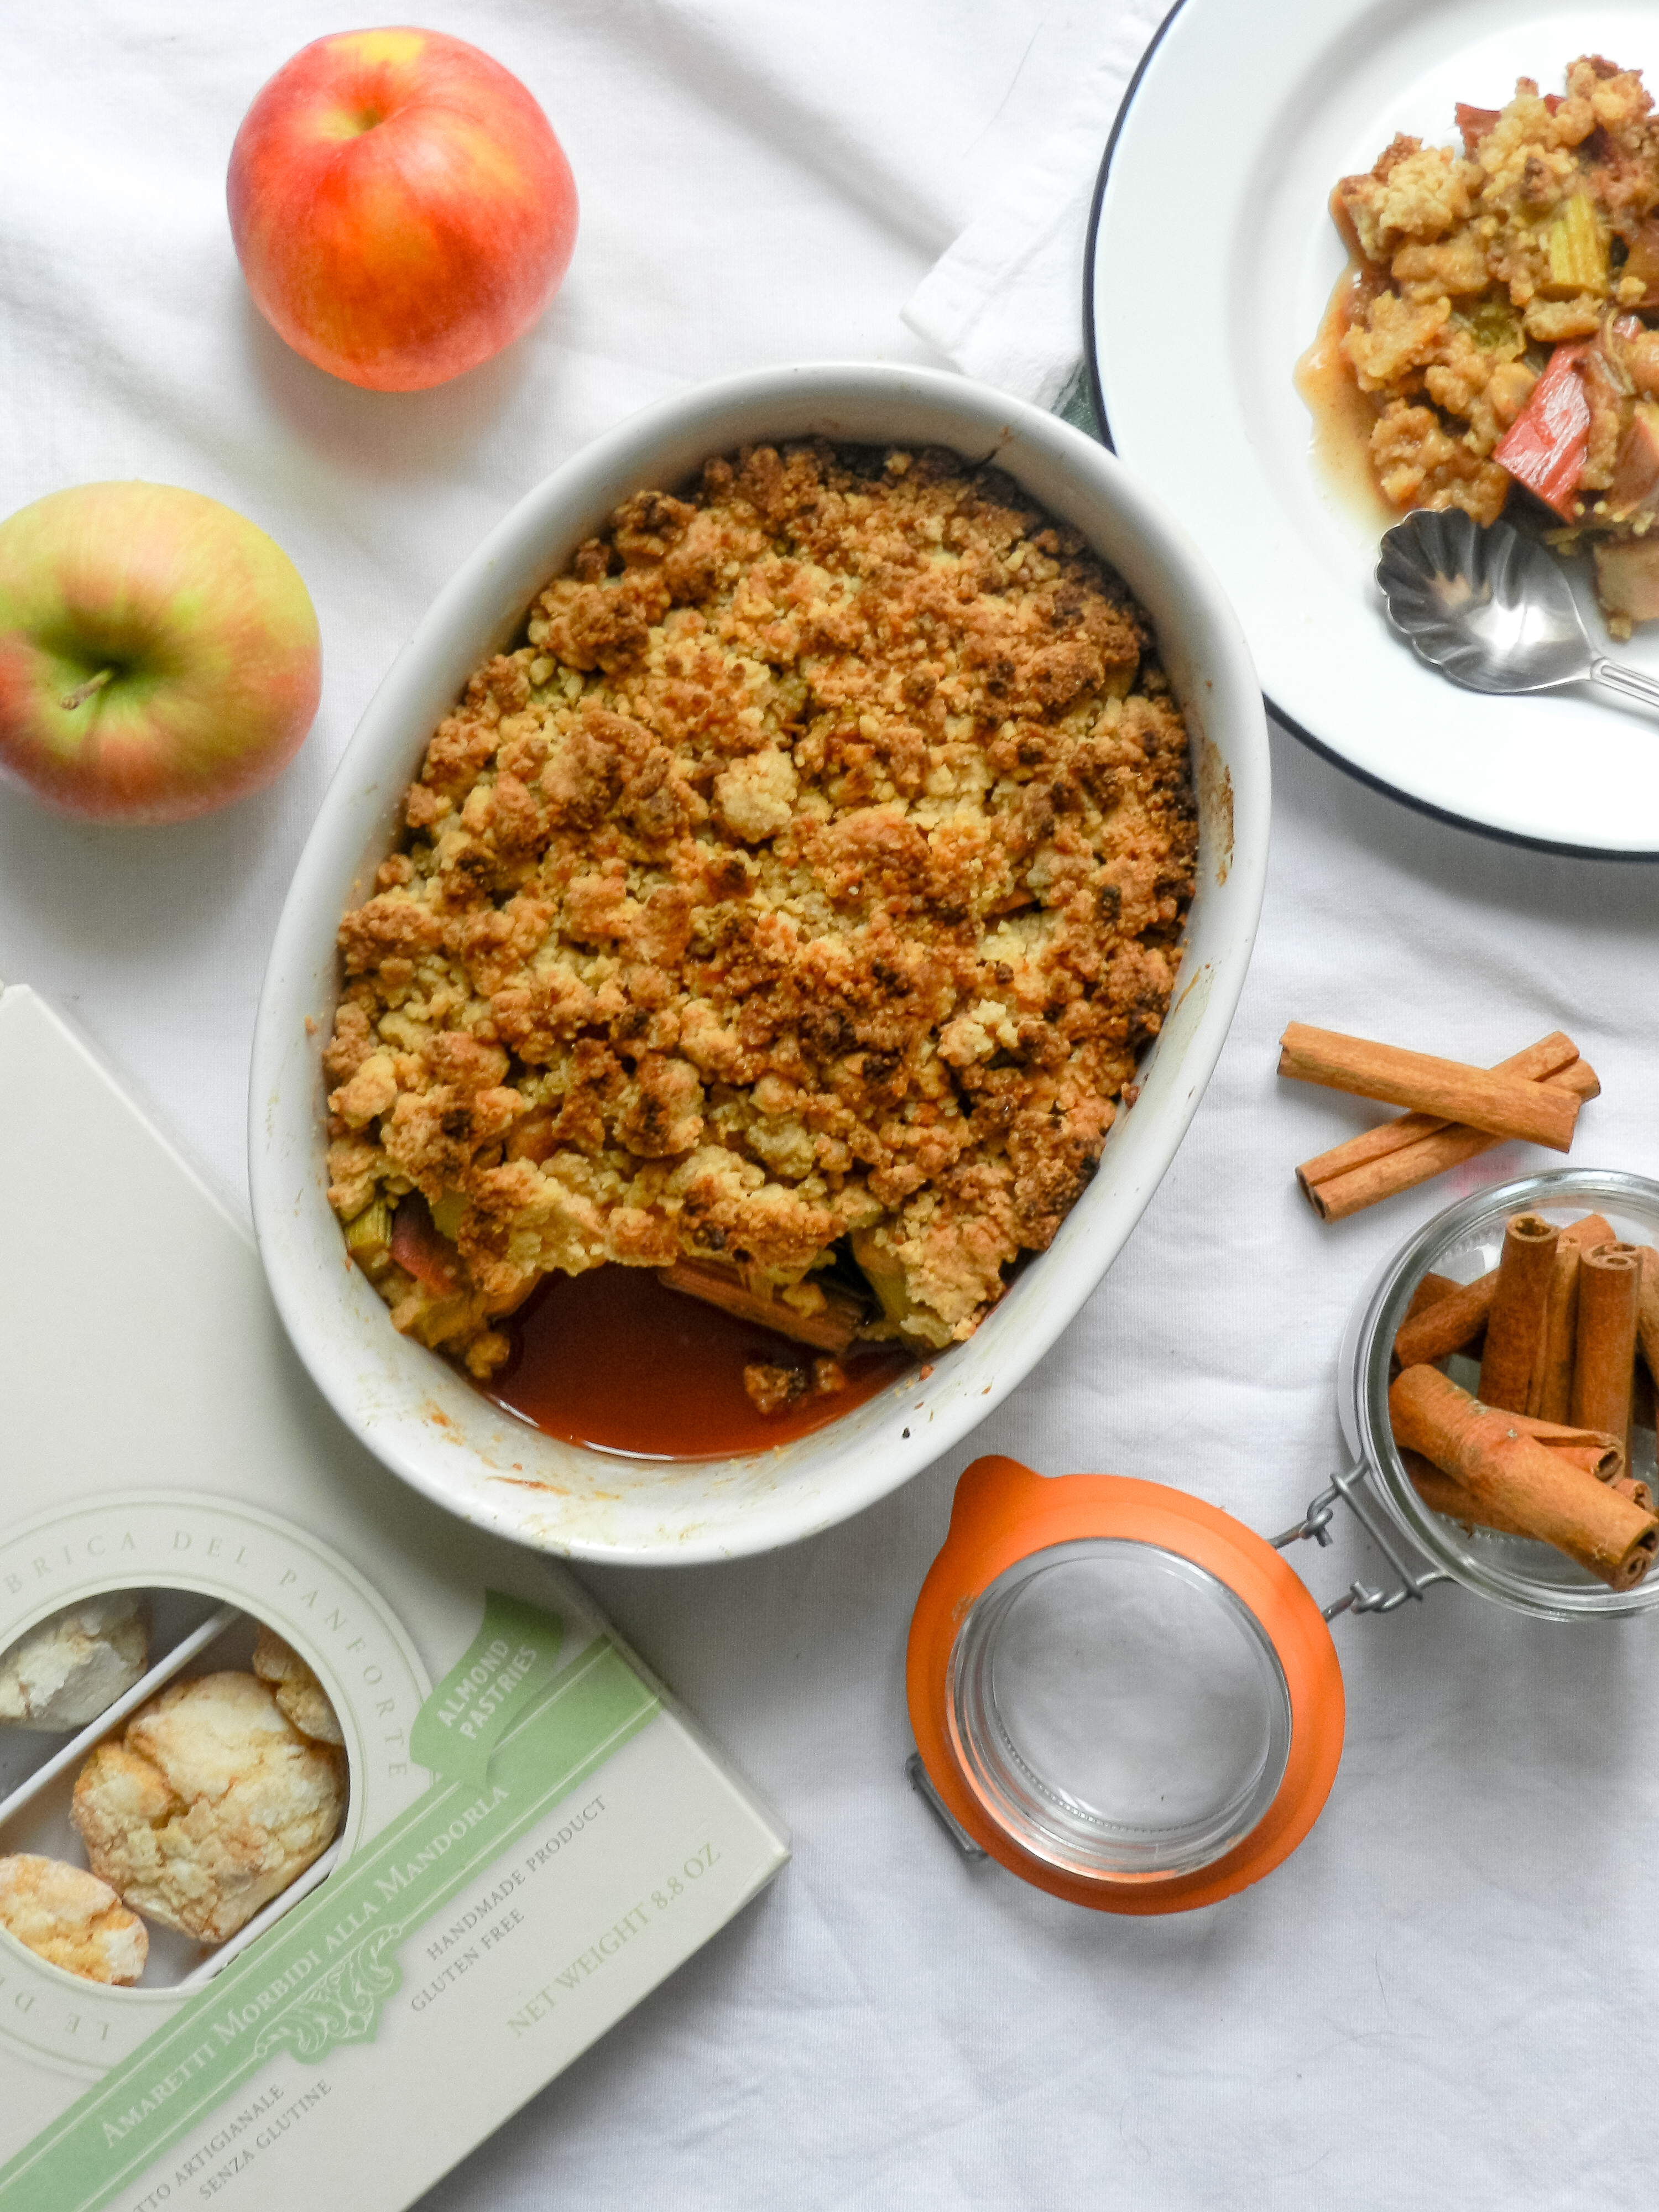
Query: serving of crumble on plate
{"points": [[1500, 320]]}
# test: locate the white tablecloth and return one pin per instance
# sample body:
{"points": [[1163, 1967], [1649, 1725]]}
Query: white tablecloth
{"points": [[1448, 1994]]}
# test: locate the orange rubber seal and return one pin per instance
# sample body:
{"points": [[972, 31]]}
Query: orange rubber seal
{"points": [[1004, 1513]]}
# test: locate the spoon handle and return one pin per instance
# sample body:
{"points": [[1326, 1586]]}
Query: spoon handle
{"points": [[1629, 681]]}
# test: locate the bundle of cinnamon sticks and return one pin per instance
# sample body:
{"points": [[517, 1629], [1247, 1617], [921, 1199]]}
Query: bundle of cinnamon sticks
{"points": [[1456, 1110], [1543, 1449]]}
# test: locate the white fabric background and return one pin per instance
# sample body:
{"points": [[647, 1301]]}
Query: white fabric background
{"points": [[1449, 1993]]}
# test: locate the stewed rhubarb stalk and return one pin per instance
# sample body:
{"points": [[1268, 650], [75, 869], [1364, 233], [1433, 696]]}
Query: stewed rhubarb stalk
{"points": [[1546, 445]]}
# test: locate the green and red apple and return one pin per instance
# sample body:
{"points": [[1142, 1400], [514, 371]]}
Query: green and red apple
{"points": [[159, 654], [400, 206]]}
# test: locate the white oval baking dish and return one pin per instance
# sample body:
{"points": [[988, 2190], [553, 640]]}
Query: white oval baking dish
{"points": [[419, 1414]]}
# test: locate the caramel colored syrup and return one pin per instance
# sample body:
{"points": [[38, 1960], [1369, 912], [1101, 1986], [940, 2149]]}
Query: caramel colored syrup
{"points": [[1343, 417], [613, 1360]]}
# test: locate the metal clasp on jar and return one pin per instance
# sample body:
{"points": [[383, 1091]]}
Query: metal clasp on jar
{"points": [[1348, 1487]]}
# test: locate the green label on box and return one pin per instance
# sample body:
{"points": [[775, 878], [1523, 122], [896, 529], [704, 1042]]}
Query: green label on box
{"points": [[496, 1679], [323, 1974]]}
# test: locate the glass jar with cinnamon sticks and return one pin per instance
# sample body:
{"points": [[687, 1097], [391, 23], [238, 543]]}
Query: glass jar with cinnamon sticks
{"points": [[1497, 1394]]}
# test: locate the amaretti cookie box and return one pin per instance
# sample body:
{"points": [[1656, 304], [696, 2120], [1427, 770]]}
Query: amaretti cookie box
{"points": [[331, 1829]]}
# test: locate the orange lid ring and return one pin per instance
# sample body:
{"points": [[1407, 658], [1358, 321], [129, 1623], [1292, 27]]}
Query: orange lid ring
{"points": [[1005, 1513]]}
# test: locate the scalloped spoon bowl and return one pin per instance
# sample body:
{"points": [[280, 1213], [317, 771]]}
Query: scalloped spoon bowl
{"points": [[1490, 609]]}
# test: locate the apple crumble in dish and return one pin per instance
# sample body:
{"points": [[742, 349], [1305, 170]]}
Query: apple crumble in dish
{"points": [[784, 915], [1501, 320]]}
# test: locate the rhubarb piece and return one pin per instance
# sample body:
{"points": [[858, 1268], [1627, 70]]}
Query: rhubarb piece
{"points": [[449, 1212], [1475, 122], [885, 1273], [420, 1251], [1545, 447], [368, 1238], [1494, 322], [1577, 251], [1636, 471], [1641, 238]]}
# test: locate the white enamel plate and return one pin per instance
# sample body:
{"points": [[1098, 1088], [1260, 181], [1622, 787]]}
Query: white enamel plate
{"points": [[1213, 258]]}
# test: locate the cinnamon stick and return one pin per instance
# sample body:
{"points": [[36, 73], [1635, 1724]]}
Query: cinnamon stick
{"points": [[1512, 1362], [1448, 1145], [1605, 1462], [1444, 1495], [1609, 1288], [1537, 1064], [1440, 1493], [1647, 1309], [1554, 1397], [831, 1329], [1507, 1472], [1642, 1414], [1429, 1287], [1589, 1230], [1399, 1154], [1454, 1326], [1598, 1451], [1446, 1324], [1502, 1105]]}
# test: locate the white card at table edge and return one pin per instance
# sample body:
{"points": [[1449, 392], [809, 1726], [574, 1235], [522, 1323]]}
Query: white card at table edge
{"points": [[151, 1394], [1214, 208]]}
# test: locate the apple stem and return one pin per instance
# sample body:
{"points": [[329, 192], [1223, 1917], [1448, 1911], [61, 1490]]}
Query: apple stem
{"points": [[82, 692]]}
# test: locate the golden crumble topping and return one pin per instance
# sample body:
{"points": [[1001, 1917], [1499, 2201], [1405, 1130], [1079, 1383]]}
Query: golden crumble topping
{"points": [[808, 879], [1501, 319]]}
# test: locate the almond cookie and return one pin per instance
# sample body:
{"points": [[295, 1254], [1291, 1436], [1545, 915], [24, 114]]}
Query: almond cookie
{"points": [[74, 1665], [208, 1805], [299, 1692], [69, 1918]]}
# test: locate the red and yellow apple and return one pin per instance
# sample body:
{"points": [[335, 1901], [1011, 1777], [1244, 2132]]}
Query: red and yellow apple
{"points": [[400, 206], [159, 654]]}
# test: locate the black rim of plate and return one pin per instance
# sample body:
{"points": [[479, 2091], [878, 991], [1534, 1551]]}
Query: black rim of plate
{"points": [[1097, 400]]}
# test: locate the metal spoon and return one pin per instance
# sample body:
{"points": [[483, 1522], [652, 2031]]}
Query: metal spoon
{"points": [[1490, 609]]}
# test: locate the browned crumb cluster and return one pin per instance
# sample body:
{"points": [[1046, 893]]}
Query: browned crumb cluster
{"points": [[812, 873]]}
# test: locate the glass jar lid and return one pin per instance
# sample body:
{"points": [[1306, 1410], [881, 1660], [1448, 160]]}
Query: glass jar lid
{"points": [[1124, 1695]]}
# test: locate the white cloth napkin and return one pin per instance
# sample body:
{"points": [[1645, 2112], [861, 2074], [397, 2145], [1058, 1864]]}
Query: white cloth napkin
{"points": [[1005, 302]]}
